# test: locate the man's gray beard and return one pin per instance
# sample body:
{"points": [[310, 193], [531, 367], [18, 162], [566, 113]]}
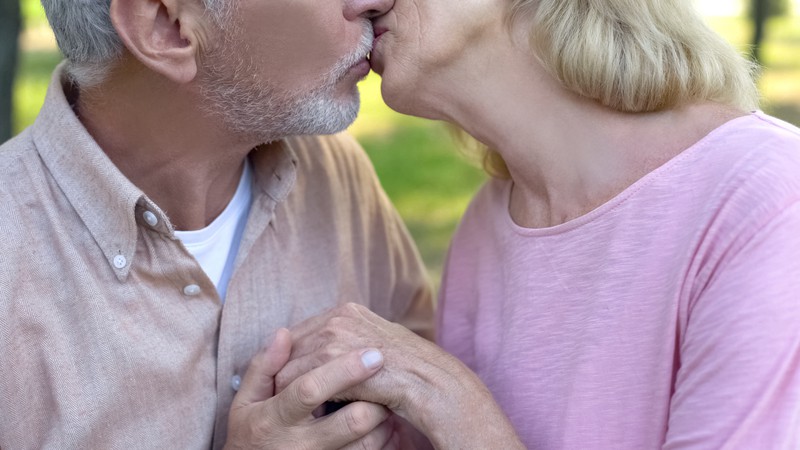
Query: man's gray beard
{"points": [[255, 110]]}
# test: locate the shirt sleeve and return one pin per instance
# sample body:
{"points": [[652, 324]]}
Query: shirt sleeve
{"points": [[738, 385]]}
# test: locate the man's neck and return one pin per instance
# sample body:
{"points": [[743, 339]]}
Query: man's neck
{"points": [[160, 138]]}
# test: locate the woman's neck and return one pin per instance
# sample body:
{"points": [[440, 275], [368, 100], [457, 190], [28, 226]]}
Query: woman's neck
{"points": [[566, 154]]}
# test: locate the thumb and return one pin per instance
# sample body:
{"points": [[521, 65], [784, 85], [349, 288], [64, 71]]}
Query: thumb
{"points": [[259, 380]]}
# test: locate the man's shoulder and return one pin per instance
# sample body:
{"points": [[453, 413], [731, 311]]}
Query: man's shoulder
{"points": [[23, 188], [18, 157], [16, 146], [26, 185]]}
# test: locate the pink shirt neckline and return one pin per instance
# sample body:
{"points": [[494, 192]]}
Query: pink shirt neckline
{"points": [[621, 197]]}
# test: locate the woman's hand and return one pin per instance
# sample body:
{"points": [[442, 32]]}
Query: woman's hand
{"points": [[419, 381], [413, 368]]}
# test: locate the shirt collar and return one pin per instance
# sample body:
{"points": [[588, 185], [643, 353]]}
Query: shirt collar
{"points": [[275, 168], [109, 204], [103, 198]]}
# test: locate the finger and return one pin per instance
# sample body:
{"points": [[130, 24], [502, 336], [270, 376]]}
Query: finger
{"points": [[306, 393], [310, 325], [350, 425], [294, 369], [258, 383], [376, 439]]}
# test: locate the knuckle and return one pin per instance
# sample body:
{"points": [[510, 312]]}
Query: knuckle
{"points": [[261, 430], [335, 324], [329, 353], [281, 381], [359, 419], [308, 391]]}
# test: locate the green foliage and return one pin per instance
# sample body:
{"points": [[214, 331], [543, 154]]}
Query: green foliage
{"points": [[33, 77], [33, 13], [422, 170]]}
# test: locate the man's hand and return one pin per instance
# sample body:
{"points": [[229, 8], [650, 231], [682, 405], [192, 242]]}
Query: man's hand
{"points": [[260, 419], [415, 368], [433, 391]]}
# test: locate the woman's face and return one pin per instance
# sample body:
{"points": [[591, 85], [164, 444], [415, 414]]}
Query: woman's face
{"points": [[424, 43]]}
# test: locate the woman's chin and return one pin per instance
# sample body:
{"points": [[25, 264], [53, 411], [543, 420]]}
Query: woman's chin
{"points": [[376, 64], [401, 90], [405, 101]]}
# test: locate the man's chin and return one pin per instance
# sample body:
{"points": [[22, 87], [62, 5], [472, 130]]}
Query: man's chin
{"points": [[319, 117]]}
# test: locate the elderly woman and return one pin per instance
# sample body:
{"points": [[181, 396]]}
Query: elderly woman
{"points": [[630, 279]]}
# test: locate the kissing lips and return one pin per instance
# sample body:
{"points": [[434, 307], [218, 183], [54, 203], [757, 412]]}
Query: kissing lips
{"points": [[378, 32], [374, 58]]}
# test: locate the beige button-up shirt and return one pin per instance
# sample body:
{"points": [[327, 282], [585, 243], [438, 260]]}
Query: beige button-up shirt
{"points": [[111, 334]]}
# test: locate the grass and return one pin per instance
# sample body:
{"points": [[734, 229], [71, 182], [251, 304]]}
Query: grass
{"points": [[418, 163]]}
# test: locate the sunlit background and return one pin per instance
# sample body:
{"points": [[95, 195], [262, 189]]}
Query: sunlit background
{"points": [[424, 173]]}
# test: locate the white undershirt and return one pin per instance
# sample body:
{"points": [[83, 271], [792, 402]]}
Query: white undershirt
{"points": [[215, 246]]}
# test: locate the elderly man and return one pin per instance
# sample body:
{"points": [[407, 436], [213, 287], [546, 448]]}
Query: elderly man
{"points": [[161, 223]]}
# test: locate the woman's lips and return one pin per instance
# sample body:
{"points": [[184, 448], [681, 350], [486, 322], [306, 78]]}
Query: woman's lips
{"points": [[379, 30], [373, 57]]}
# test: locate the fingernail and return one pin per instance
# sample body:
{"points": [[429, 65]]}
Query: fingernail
{"points": [[371, 359]]}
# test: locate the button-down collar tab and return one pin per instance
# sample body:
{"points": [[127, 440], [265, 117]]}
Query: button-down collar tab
{"points": [[151, 217], [100, 194]]}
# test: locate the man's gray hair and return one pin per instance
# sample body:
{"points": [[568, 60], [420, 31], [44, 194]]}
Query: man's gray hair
{"points": [[88, 40]]}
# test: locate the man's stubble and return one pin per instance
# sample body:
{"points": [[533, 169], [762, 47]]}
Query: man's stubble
{"points": [[253, 108]]}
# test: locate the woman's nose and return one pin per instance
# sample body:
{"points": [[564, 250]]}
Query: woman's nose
{"points": [[355, 9]]}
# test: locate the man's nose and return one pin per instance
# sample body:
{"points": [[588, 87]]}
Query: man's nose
{"points": [[355, 9]]}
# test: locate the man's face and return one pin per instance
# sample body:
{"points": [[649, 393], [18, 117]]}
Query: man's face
{"points": [[289, 67]]}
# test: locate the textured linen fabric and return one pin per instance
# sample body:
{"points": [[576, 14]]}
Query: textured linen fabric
{"points": [[668, 317], [100, 345]]}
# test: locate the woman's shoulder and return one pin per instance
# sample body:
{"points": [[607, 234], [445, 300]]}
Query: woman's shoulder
{"points": [[759, 158], [756, 137], [490, 201], [747, 173], [485, 213]]}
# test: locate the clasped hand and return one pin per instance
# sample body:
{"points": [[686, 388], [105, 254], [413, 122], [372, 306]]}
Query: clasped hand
{"points": [[262, 417]]}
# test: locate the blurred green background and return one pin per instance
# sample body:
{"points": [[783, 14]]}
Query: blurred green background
{"points": [[420, 166]]}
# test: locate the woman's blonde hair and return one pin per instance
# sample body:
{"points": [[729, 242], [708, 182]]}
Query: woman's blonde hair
{"points": [[633, 55]]}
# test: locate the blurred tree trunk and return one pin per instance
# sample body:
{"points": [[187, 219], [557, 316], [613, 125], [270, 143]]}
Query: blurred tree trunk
{"points": [[759, 12], [10, 23]]}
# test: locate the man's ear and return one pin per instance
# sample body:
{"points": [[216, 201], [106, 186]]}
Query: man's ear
{"points": [[154, 33]]}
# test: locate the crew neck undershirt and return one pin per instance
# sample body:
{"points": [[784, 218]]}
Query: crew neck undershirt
{"points": [[215, 246]]}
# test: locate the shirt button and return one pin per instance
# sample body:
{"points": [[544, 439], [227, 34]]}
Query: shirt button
{"points": [[236, 381], [191, 290], [150, 218], [120, 262]]}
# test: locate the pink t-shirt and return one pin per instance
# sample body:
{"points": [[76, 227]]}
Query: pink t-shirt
{"points": [[667, 317]]}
